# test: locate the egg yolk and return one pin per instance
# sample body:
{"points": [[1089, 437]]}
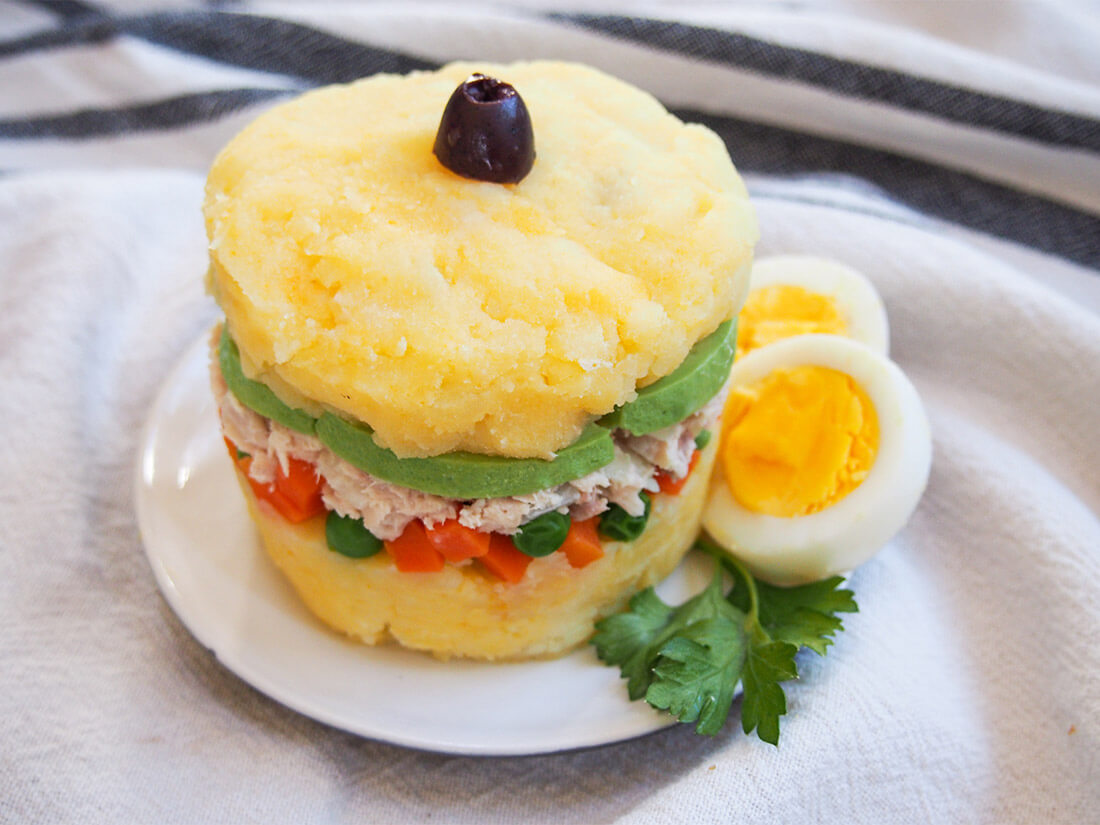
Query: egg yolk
{"points": [[798, 441], [782, 311]]}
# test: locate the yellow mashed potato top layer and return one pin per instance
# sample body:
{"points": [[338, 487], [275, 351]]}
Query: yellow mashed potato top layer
{"points": [[359, 275]]}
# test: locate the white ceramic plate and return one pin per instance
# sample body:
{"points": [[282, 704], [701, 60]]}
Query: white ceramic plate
{"points": [[208, 562]]}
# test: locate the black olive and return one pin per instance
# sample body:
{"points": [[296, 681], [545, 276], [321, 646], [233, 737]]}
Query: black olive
{"points": [[485, 132]]}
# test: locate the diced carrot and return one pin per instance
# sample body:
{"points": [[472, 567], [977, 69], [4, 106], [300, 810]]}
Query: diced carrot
{"points": [[263, 492], [295, 495], [285, 507], [457, 542], [235, 452], [504, 560], [583, 546], [300, 487], [671, 485], [412, 552]]}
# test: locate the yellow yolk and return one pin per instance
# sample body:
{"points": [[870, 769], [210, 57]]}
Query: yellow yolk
{"points": [[798, 442], [782, 311]]}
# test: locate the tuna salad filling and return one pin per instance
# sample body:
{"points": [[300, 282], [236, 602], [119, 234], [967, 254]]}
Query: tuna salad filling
{"points": [[386, 509]]}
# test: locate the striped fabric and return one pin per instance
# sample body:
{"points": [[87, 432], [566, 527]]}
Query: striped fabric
{"points": [[1024, 169], [957, 165]]}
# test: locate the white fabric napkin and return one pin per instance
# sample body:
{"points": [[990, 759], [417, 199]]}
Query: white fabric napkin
{"points": [[965, 689]]}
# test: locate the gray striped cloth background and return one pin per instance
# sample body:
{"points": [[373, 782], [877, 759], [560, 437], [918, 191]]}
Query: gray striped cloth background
{"points": [[958, 166], [1041, 192]]}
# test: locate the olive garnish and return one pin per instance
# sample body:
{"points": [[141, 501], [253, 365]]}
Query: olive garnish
{"points": [[485, 132]]}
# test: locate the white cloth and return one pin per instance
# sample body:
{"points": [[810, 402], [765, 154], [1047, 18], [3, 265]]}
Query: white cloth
{"points": [[965, 690]]}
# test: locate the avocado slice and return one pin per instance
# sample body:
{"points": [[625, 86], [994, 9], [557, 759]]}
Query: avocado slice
{"points": [[257, 396], [680, 393], [455, 475], [466, 475]]}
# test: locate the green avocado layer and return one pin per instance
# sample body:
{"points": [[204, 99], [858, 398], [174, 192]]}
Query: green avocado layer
{"points": [[466, 475], [673, 398], [257, 396]]}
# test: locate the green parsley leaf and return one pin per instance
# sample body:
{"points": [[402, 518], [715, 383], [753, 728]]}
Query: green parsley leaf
{"points": [[633, 640], [689, 659], [804, 615], [764, 702], [698, 670], [627, 639]]}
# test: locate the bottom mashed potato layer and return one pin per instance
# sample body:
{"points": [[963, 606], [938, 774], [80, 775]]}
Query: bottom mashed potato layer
{"points": [[463, 611]]}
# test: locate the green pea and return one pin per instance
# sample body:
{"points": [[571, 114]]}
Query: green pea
{"points": [[618, 525], [703, 439], [543, 535], [350, 537]]}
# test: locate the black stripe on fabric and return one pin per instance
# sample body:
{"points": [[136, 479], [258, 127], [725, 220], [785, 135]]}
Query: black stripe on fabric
{"points": [[83, 33], [247, 41], [271, 45], [172, 113], [285, 48], [68, 9], [932, 190], [858, 80], [756, 148]]}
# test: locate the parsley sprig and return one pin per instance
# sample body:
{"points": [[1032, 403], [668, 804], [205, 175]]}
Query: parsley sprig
{"points": [[689, 659]]}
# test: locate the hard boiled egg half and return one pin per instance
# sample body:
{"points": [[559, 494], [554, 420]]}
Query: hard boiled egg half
{"points": [[800, 294], [825, 450]]}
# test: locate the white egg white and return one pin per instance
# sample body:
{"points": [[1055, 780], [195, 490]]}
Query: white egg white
{"points": [[856, 297], [800, 549]]}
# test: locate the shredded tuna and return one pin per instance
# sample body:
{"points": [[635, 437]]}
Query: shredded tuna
{"points": [[507, 514], [387, 508], [384, 508], [671, 448], [248, 430], [286, 443], [588, 506]]}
